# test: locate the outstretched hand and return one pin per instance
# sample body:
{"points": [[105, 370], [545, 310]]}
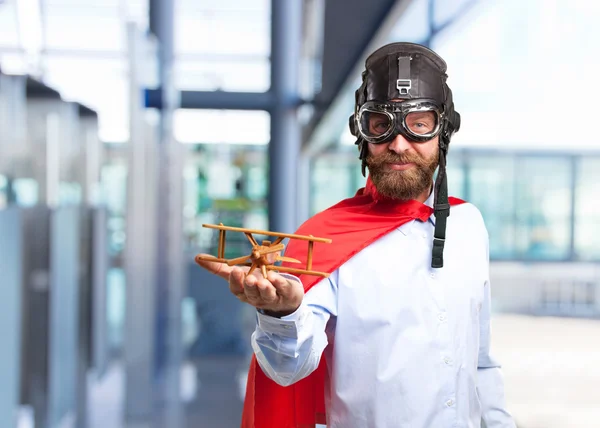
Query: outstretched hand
{"points": [[275, 293]]}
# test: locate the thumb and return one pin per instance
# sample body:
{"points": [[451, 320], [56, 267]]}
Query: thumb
{"points": [[217, 268]]}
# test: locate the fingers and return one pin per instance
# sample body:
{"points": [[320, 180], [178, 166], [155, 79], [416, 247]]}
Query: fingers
{"points": [[236, 282], [280, 283], [254, 290], [217, 268], [267, 291], [262, 293], [259, 292]]}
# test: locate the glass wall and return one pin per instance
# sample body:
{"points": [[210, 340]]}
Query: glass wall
{"points": [[490, 186], [334, 177], [538, 207], [224, 184], [114, 189], [543, 208], [587, 208]]}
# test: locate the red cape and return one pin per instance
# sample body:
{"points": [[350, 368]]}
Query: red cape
{"points": [[352, 224]]}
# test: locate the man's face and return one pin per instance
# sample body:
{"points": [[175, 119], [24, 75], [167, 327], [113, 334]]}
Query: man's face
{"points": [[403, 169]]}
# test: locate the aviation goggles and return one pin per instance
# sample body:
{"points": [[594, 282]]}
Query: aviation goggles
{"points": [[418, 120]]}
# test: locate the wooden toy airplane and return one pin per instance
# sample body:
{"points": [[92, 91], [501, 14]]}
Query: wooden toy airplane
{"points": [[258, 258]]}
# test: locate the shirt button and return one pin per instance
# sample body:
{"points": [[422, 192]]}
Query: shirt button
{"points": [[450, 403], [432, 274], [442, 316], [448, 360]]}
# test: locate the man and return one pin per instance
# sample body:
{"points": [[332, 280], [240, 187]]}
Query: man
{"points": [[399, 334]]}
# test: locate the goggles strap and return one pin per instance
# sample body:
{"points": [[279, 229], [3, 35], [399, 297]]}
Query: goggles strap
{"points": [[441, 210]]}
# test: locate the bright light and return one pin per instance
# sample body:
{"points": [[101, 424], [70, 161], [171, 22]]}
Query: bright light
{"points": [[30, 29], [347, 138], [222, 126]]}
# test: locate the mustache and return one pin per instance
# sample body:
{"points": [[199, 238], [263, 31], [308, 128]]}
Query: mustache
{"points": [[392, 157]]}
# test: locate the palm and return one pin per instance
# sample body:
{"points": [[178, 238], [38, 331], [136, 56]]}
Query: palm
{"points": [[273, 292]]}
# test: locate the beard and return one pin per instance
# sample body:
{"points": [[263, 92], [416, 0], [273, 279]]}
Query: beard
{"points": [[404, 185]]}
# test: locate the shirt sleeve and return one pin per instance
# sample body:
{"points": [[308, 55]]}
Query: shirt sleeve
{"points": [[490, 380], [289, 348]]}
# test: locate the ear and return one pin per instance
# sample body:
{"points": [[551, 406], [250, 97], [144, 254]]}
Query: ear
{"points": [[456, 122], [352, 125]]}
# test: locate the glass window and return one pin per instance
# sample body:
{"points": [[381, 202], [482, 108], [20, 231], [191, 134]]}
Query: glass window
{"points": [[233, 74], [222, 126], [513, 59], [73, 76], [224, 183], [26, 191], [256, 182], [360, 181], [223, 45], [587, 209], [446, 10], [230, 33], [456, 175], [9, 31], [543, 208], [413, 25], [116, 307], [114, 191], [13, 63], [84, 27], [3, 191], [333, 178], [490, 188]]}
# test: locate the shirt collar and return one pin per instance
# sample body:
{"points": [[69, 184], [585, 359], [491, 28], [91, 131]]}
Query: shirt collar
{"points": [[429, 202], [405, 228]]}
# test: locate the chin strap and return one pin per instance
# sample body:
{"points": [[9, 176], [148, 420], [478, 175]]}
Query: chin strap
{"points": [[362, 156], [441, 208]]}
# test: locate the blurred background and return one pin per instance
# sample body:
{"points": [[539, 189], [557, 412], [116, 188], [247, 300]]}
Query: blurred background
{"points": [[127, 124]]}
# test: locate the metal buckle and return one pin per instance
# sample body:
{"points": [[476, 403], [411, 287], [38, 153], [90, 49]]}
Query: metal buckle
{"points": [[403, 86]]}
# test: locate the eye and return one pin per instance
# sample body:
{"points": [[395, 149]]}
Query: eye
{"points": [[376, 123], [421, 122], [380, 125]]}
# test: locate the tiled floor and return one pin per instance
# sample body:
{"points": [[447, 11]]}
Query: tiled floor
{"points": [[551, 368], [218, 403]]}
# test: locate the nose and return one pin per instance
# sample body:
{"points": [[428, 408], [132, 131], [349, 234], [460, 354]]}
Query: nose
{"points": [[399, 144]]}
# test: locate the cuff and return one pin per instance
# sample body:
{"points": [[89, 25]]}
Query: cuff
{"points": [[287, 326]]}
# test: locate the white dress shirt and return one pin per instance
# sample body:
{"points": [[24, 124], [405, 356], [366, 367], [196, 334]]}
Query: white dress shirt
{"points": [[407, 346]]}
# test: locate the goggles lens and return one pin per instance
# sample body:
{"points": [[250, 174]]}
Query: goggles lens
{"points": [[376, 124], [421, 122]]}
